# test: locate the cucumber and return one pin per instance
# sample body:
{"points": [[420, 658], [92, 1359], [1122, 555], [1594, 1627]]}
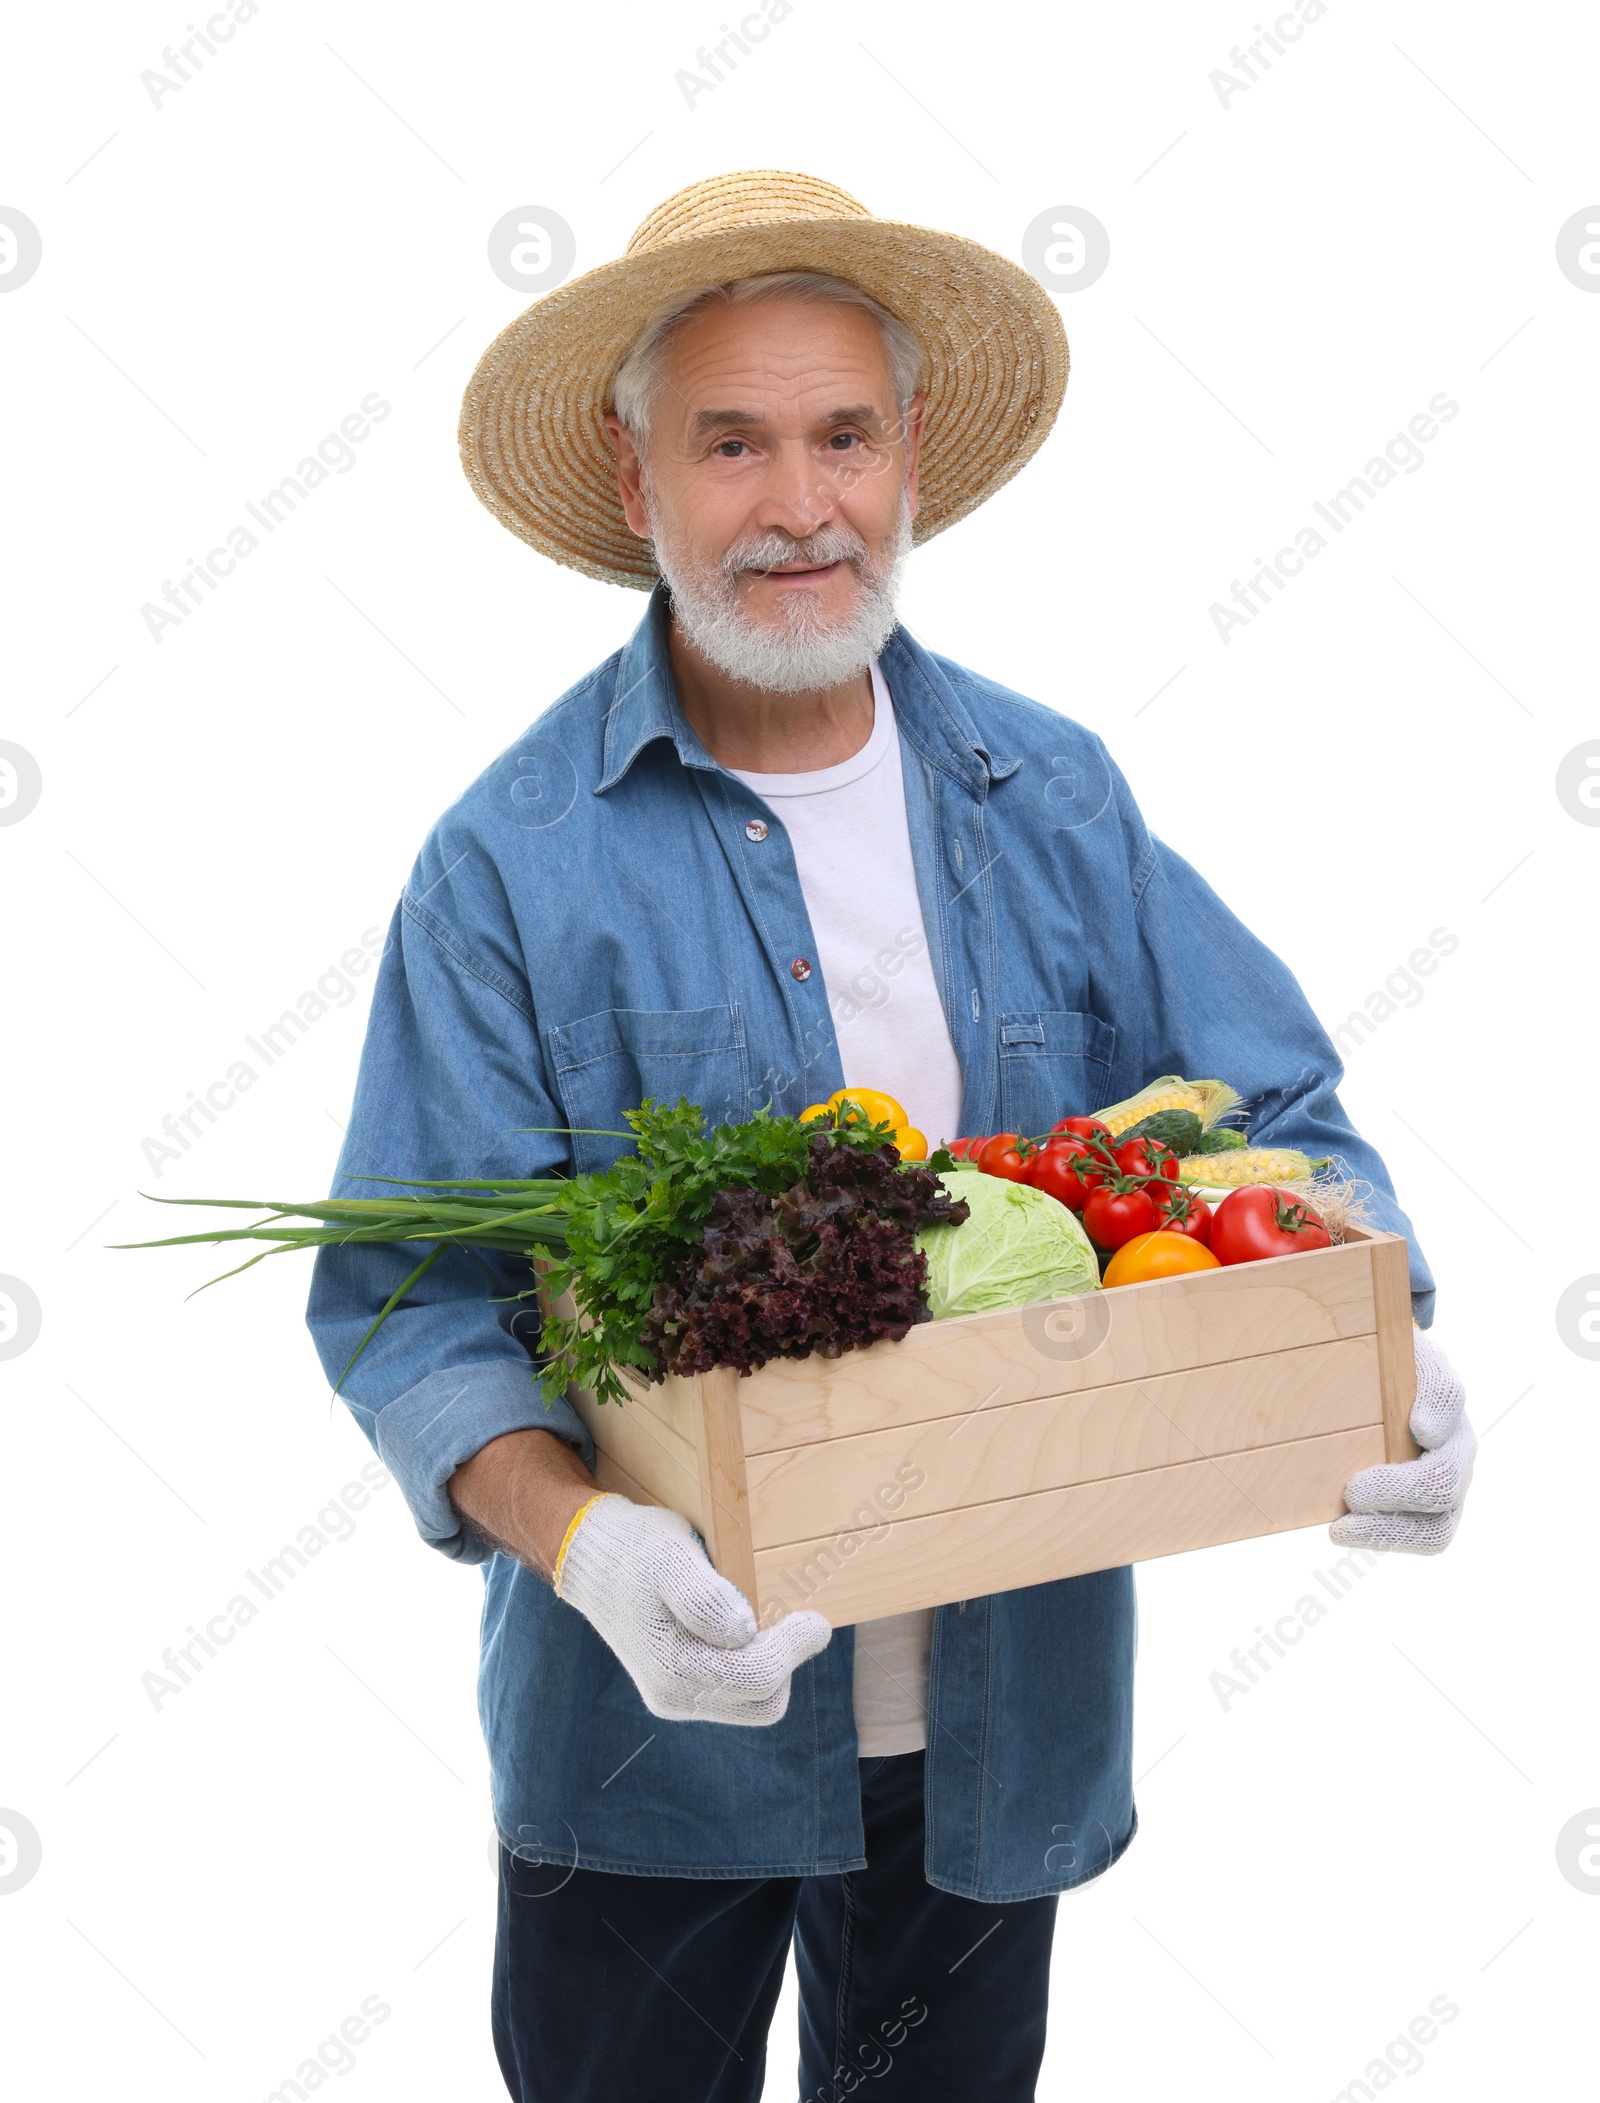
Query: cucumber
{"points": [[1221, 1139], [1178, 1129]]}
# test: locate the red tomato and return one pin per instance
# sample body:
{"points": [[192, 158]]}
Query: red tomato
{"points": [[1115, 1216], [1055, 1169], [1003, 1156], [1145, 1157], [966, 1149], [1081, 1127], [1260, 1221], [1183, 1213], [1094, 1150]]}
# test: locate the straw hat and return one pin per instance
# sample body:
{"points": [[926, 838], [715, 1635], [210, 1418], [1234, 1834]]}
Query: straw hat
{"points": [[532, 440]]}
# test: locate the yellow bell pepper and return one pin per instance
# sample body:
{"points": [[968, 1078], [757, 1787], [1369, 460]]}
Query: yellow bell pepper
{"points": [[874, 1105]]}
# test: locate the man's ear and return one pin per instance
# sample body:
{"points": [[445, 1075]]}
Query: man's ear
{"points": [[630, 474], [913, 425]]}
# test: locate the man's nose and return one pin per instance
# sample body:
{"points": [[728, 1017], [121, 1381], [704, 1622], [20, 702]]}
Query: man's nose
{"points": [[795, 498]]}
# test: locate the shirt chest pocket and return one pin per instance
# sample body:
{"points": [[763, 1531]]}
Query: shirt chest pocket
{"points": [[608, 1063], [1054, 1063]]}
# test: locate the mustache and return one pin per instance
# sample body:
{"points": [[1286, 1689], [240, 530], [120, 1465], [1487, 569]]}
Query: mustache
{"points": [[767, 551]]}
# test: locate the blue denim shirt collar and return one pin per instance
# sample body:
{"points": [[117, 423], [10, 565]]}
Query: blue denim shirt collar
{"points": [[644, 708]]}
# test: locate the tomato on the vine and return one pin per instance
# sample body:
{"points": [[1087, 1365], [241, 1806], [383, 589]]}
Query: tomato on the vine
{"points": [[1115, 1216], [1098, 1152], [966, 1149], [1260, 1220], [1007, 1156], [1148, 1157], [1182, 1212], [1057, 1169], [1080, 1127]]}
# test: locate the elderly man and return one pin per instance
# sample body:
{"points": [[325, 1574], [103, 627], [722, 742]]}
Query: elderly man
{"points": [[696, 874]]}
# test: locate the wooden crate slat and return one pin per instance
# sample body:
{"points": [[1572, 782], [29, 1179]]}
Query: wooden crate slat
{"points": [[610, 1475], [969, 1552], [1397, 1358], [722, 1474], [950, 1368], [651, 1450], [705, 1482], [675, 1402], [1010, 1450]]}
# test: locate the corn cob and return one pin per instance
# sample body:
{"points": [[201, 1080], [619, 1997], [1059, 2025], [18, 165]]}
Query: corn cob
{"points": [[1209, 1100], [1247, 1164]]}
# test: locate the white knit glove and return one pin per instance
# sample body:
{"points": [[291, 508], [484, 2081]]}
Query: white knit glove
{"points": [[685, 1636], [1415, 1505]]}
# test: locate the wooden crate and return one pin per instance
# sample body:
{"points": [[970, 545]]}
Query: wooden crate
{"points": [[1007, 1449]]}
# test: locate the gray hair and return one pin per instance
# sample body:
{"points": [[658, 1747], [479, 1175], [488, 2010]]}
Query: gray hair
{"points": [[638, 380]]}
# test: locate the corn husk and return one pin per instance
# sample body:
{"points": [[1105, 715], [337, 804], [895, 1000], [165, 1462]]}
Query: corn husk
{"points": [[1209, 1100], [1247, 1164]]}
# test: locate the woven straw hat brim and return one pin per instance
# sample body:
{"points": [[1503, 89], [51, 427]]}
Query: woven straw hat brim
{"points": [[533, 443]]}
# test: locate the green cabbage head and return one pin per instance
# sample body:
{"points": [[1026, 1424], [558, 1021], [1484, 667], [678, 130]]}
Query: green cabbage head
{"points": [[1019, 1244]]}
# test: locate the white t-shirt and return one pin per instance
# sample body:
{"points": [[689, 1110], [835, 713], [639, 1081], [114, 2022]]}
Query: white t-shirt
{"points": [[852, 848]]}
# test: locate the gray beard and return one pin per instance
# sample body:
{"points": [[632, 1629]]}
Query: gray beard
{"points": [[802, 652]]}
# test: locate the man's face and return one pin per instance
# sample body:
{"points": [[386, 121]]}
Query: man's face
{"points": [[779, 487]]}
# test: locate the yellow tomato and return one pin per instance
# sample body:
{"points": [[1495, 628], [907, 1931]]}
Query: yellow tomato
{"points": [[875, 1106], [813, 1110], [1162, 1254], [913, 1145]]}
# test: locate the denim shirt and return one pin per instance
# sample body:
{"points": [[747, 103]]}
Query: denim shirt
{"points": [[593, 923]]}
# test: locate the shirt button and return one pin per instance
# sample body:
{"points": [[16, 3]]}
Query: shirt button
{"points": [[800, 969], [756, 829]]}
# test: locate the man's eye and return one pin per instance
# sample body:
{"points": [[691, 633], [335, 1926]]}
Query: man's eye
{"points": [[841, 441], [731, 448]]}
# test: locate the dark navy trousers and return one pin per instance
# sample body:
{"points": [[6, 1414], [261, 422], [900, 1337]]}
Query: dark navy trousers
{"points": [[661, 1989]]}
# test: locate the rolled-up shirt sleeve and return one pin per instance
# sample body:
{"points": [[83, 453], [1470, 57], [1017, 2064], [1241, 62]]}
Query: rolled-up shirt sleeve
{"points": [[451, 1084]]}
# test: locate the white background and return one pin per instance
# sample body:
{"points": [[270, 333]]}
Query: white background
{"points": [[224, 813]]}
